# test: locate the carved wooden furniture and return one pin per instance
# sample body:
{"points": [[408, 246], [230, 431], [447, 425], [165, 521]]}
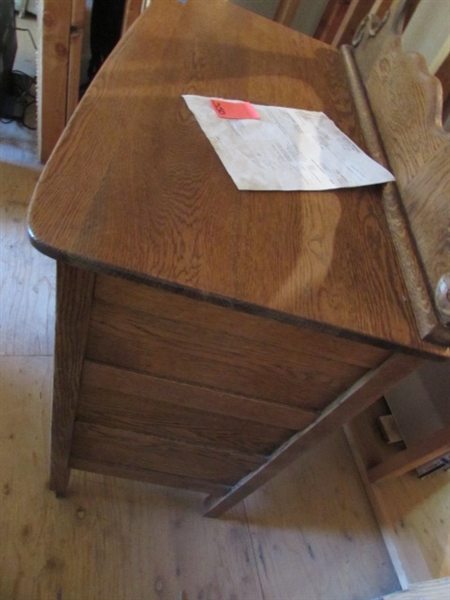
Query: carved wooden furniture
{"points": [[206, 336]]}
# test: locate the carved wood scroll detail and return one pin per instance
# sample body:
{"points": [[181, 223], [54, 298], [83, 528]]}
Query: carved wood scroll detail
{"points": [[406, 103]]}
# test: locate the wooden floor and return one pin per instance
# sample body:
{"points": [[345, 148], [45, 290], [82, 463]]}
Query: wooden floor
{"points": [[435, 589], [309, 534]]}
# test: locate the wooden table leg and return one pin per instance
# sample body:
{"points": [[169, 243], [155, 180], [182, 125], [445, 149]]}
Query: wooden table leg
{"points": [[73, 302]]}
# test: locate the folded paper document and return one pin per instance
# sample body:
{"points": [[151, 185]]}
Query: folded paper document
{"points": [[285, 148]]}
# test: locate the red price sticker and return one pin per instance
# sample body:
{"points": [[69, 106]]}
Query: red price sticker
{"points": [[234, 110]]}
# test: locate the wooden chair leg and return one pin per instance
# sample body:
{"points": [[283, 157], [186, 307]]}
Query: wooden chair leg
{"points": [[286, 10], [133, 9]]}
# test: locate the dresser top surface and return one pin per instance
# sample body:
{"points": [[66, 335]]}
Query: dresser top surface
{"points": [[134, 187]]}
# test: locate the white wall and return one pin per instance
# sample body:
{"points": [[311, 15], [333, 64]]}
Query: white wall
{"points": [[306, 19], [308, 15], [428, 32], [265, 8]]}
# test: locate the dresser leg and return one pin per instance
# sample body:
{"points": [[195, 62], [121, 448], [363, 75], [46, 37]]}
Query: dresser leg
{"points": [[74, 290]]}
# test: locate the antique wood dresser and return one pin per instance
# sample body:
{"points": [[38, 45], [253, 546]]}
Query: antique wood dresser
{"points": [[207, 336]]}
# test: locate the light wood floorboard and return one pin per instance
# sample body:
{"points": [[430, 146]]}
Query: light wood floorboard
{"points": [[310, 535], [312, 519], [27, 292], [436, 589]]}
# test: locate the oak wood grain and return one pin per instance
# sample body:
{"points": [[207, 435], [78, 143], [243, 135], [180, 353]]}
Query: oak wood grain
{"points": [[357, 10], [154, 205], [331, 20], [354, 14], [429, 321], [124, 448], [131, 13], [140, 536], [184, 224], [108, 538], [217, 402], [292, 340], [78, 14], [408, 148], [190, 353], [74, 70], [73, 303], [443, 74], [426, 201], [418, 155], [141, 415]]}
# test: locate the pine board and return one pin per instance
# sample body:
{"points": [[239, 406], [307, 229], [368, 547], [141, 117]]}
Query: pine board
{"points": [[27, 292]]}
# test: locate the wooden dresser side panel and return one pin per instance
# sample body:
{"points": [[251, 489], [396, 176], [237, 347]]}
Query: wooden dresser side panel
{"points": [[113, 446], [186, 341], [148, 388], [149, 410], [187, 393], [172, 433], [222, 319]]}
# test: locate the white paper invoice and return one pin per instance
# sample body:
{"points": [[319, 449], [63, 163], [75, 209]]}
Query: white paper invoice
{"points": [[286, 149]]}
